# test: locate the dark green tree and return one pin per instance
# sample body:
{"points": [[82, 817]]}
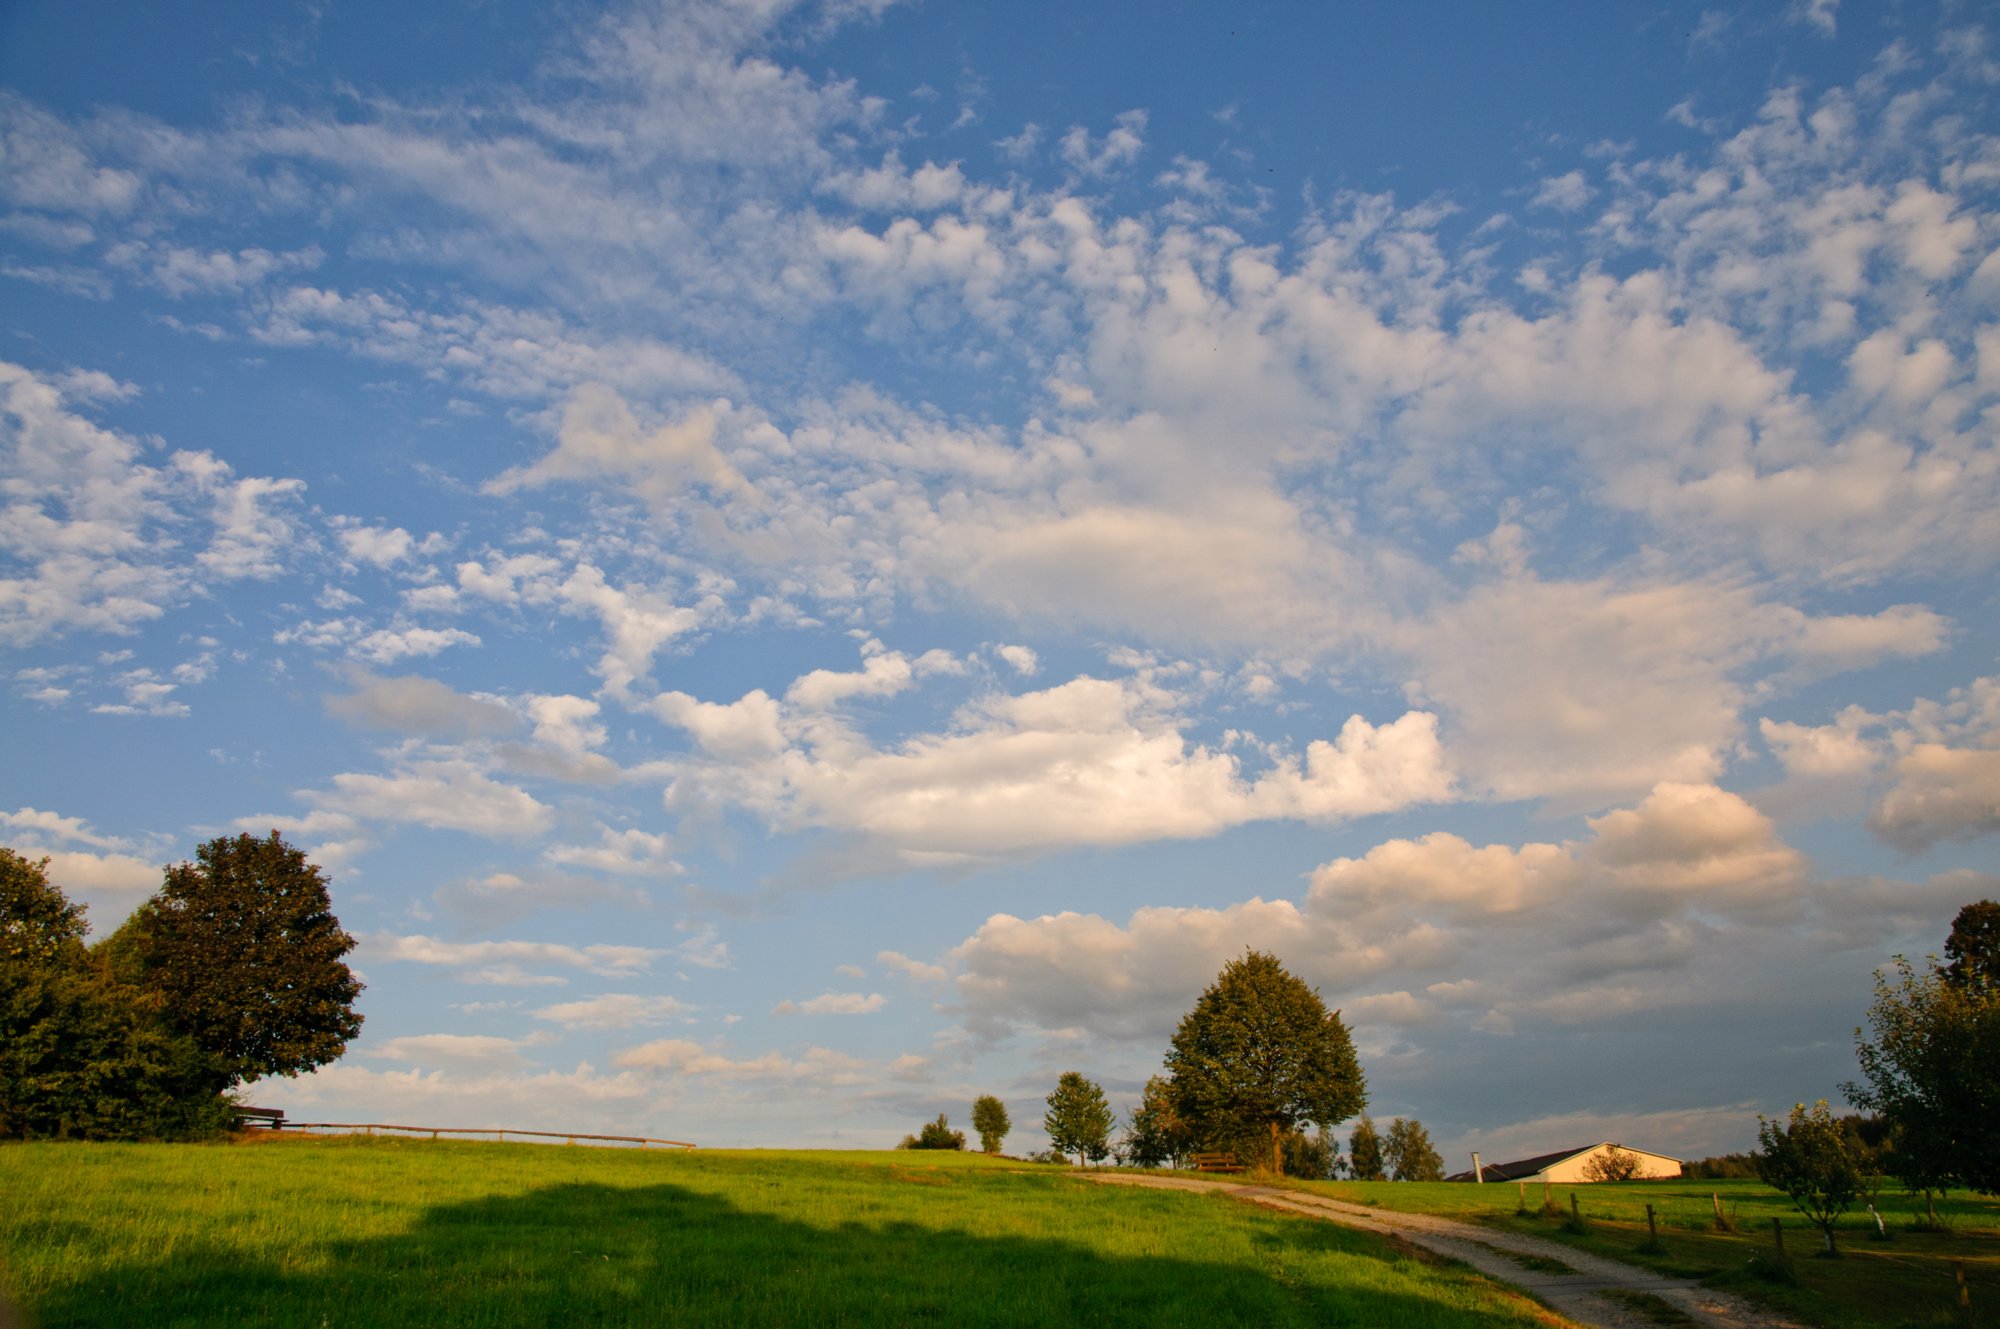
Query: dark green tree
{"points": [[1364, 1152], [79, 1057], [1079, 1119], [1155, 1136], [1808, 1160], [241, 952], [990, 1120], [1313, 1157], [1261, 1051], [1932, 1068], [1409, 1153], [935, 1135], [1972, 952]]}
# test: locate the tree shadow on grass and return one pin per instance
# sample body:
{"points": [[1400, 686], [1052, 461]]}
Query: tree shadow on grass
{"points": [[666, 1255]]}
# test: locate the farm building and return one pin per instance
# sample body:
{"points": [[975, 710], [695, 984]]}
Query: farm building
{"points": [[1569, 1166]]}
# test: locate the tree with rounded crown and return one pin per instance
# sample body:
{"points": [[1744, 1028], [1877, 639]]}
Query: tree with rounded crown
{"points": [[1972, 951], [1808, 1160], [241, 952], [1261, 1051], [1933, 1070], [1079, 1119], [1410, 1154], [989, 1119]]}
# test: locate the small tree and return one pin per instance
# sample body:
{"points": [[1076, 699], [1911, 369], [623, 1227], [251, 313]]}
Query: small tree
{"points": [[241, 952], [989, 1118], [1364, 1152], [1156, 1136], [1079, 1119], [1261, 1051], [935, 1135], [1315, 1157], [1809, 1162], [1409, 1152], [1614, 1164]]}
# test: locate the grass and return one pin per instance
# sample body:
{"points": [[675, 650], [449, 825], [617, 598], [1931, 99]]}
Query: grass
{"points": [[338, 1232], [1904, 1283]]}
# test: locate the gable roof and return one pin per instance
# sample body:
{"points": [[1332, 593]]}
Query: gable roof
{"points": [[1528, 1167]]}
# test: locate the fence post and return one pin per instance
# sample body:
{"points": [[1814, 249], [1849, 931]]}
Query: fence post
{"points": [[1964, 1293], [1574, 1212], [1652, 1232], [1778, 1235]]}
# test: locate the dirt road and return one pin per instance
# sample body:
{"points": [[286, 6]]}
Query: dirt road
{"points": [[1529, 1263]]}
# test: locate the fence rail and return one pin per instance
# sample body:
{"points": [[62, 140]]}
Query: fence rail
{"points": [[370, 1127]]}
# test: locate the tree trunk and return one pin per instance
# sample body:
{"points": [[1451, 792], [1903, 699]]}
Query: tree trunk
{"points": [[1828, 1230], [1277, 1151]]}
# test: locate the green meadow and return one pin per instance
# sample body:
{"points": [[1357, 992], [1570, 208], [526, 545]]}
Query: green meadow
{"points": [[340, 1232], [1907, 1279]]}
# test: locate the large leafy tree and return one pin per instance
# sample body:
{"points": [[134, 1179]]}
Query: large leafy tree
{"points": [[1261, 1051], [78, 1057], [1409, 1152], [241, 952], [990, 1120], [1932, 1068], [1079, 1119]]}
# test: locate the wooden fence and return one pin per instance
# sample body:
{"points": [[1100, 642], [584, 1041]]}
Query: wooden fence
{"points": [[266, 1121]]}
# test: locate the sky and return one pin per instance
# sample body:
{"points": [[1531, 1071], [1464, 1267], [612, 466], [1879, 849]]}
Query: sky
{"points": [[797, 562]]}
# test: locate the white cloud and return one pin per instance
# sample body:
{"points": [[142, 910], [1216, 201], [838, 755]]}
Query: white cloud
{"points": [[52, 826], [448, 793], [618, 1010], [1940, 793], [452, 1050], [478, 961], [386, 645], [1021, 659], [1617, 902], [601, 439], [817, 1067], [625, 853], [833, 1003], [412, 704], [1091, 761], [1116, 149]]}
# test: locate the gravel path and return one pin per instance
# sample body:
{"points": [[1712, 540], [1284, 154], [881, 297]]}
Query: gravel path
{"points": [[1577, 1295]]}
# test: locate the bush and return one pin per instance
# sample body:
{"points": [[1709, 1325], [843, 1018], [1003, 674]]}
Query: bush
{"points": [[934, 1135]]}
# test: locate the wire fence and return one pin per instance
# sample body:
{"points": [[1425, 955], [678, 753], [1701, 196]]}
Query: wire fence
{"points": [[265, 1122]]}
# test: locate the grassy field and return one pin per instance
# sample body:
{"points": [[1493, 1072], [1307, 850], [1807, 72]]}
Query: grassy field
{"points": [[342, 1232], [1907, 1280]]}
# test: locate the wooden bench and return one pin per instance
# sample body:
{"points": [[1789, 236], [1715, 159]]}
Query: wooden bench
{"points": [[1222, 1162], [274, 1118]]}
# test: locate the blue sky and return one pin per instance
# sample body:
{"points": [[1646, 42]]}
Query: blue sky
{"points": [[797, 564]]}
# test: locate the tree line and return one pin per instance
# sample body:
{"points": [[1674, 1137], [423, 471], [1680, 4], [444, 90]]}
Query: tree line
{"points": [[1930, 1078], [233, 970], [1256, 1061]]}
